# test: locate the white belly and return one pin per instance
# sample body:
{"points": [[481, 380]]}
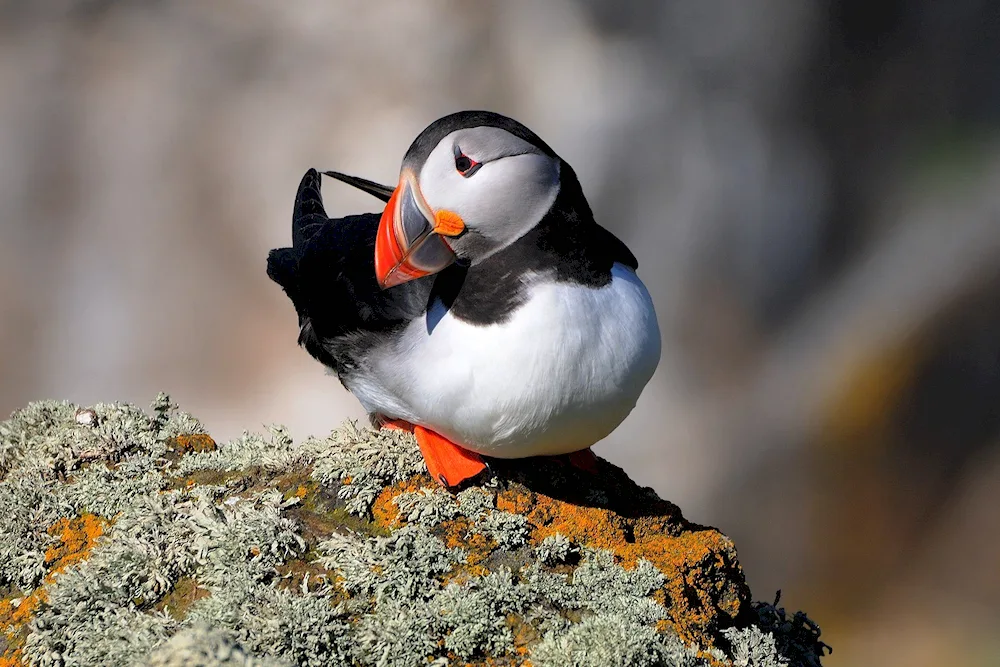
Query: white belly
{"points": [[558, 376]]}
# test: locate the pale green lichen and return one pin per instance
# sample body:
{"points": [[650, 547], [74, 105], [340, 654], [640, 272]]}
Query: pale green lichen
{"points": [[107, 492], [476, 502], [202, 646], [250, 450], [302, 628], [52, 466], [404, 565], [371, 460], [555, 550], [608, 641], [429, 507], [753, 647], [170, 421], [777, 639], [29, 507], [508, 530], [406, 612], [235, 557]]}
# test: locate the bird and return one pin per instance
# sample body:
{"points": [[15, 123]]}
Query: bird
{"points": [[484, 309]]}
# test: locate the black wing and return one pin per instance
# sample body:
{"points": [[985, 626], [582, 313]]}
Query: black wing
{"points": [[329, 275], [615, 247]]}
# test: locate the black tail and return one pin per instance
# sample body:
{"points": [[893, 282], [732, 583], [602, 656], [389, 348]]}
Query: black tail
{"points": [[308, 217], [328, 273]]}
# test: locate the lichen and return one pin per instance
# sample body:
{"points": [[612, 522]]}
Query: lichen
{"points": [[133, 539], [776, 639], [555, 549], [752, 647], [300, 627], [250, 450], [203, 646], [426, 507], [704, 587], [365, 461], [76, 539], [607, 641]]}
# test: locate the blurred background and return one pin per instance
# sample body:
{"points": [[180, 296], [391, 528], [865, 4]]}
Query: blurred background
{"points": [[812, 189]]}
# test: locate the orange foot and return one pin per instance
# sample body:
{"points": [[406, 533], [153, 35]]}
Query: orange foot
{"points": [[585, 460], [449, 464]]}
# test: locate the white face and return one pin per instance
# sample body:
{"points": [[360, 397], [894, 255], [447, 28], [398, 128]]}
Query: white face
{"points": [[509, 188]]}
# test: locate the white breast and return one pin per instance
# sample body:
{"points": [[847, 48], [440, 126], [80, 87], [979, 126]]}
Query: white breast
{"points": [[558, 376]]}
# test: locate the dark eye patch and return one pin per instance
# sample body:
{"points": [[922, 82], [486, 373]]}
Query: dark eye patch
{"points": [[464, 164]]}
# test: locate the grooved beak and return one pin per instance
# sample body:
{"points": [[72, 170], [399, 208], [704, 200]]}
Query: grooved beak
{"points": [[411, 239]]}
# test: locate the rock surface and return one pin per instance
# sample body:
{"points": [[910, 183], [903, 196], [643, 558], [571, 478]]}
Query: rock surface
{"points": [[132, 538]]}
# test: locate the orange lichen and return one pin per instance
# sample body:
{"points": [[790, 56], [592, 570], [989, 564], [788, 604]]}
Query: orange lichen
{"points": [[457, 534], [384, 511], [704, 589], [14, 619], [696, 562], [77, 537], [196, 443], [18, 614]]}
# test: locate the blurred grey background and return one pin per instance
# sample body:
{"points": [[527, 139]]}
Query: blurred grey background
{"points": [[812, 189]]}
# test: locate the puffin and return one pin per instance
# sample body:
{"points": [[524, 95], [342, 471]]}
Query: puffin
{"points": [[484, 309]]}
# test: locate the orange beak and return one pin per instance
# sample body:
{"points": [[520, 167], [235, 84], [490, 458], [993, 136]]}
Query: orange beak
{"points": [[412, 239]]}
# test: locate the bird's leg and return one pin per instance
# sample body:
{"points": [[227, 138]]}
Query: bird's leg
{"points": [[448, 464], [585, 460], [500, 480]]}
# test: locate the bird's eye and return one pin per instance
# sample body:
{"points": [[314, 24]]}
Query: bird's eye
{"points": [[465, 165]]}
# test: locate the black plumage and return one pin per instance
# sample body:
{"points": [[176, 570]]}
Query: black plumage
{"points": [[329, 275]]}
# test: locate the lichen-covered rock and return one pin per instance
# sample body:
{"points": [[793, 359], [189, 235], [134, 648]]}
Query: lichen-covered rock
{"points": [[133, 539]]}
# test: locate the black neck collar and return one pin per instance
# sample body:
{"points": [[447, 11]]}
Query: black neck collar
{"points": [[566, 246]]}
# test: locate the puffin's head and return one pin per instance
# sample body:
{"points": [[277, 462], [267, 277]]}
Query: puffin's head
{"points": [[470, 184]]}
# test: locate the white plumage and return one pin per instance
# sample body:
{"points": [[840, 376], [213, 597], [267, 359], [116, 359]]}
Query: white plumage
{"points": [[560, 374]]}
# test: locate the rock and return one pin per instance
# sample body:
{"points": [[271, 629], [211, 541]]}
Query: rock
{"points": [[167, 548]]}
